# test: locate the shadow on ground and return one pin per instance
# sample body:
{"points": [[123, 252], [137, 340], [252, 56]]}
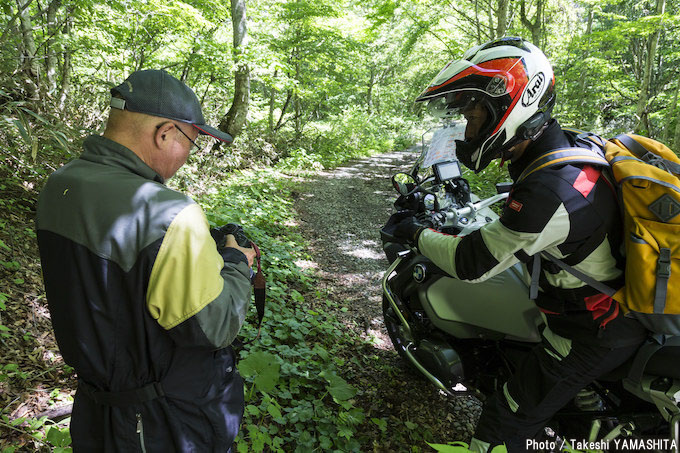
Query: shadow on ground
{"points": [[340, 214]]}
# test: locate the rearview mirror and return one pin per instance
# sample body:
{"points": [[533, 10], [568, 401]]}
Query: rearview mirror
{"points": [[404, 183]]}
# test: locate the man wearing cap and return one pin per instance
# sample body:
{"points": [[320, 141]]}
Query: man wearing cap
{"points": [[143, 305]]}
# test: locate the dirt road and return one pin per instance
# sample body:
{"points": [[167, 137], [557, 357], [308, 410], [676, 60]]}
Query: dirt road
{"points": [[340, 213]]}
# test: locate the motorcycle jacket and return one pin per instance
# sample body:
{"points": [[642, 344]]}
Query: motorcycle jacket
{"points": [[143, 306], [569, 211]]}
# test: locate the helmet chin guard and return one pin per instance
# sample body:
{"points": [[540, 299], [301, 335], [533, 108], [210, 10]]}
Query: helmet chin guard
{"points": [[470, 154], [512, 79]]}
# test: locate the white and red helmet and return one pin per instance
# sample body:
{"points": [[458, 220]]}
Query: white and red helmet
{"points": [[512, 79]]}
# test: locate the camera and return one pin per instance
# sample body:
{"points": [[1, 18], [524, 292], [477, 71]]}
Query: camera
{"points": [[219, 234]]}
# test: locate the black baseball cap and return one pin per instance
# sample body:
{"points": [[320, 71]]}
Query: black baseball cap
{"points": [[156, 92]]}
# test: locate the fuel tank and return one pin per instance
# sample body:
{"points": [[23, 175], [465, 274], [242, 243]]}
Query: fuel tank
{"points": [[498, 308]]}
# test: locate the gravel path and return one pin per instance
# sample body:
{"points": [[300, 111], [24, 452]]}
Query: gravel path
{"points": [[340, 213]]}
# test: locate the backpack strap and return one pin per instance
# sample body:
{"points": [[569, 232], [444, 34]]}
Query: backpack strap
{"points": [[590, 281], [130, 397], [645, 353], [663, 274], [562, 157], [588, 138], [647, 156]]}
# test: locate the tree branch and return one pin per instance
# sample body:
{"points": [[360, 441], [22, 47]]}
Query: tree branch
{"points": [[611, 82], [283, 110], [12, 19]]}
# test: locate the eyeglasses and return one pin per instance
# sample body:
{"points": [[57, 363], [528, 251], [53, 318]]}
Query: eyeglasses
{"points": [[183, 133], [192, 142]]}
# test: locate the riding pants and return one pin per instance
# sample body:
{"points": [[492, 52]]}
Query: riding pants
{"points": [[546, 380]]}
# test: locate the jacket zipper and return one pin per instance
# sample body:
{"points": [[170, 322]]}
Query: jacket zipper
{"points": [[140, 432]]}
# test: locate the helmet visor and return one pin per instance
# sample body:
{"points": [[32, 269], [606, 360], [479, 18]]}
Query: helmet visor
{"points": [[474, 110], [468, 108]]}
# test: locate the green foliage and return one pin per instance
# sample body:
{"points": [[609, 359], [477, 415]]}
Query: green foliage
{"points": [[462, 447], [263, 368], [296, 398], [53, 437], [59, 438], [11, 370], [600, 74], [356, 133], [300, 158]]}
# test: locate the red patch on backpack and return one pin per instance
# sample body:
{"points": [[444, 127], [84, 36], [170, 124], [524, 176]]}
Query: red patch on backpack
{"points": [[515, 205]]}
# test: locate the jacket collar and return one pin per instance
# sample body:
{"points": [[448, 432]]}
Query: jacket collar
{"points": [[552, 138], [105, 151]]}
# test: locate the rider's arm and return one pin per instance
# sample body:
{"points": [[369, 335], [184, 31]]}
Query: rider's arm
{"points": [[533, 219], [195, 294]]}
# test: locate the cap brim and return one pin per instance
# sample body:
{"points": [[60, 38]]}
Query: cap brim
{"points": [[215, 133]]}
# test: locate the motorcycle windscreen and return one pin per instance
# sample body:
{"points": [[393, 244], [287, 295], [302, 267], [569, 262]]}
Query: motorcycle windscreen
{"points": [[496, 308]]}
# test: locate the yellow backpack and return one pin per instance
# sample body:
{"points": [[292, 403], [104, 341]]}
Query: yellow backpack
{"points": [[647, 175]]}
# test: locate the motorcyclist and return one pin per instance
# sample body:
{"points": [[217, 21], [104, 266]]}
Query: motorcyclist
{"points": [[504, 90]]}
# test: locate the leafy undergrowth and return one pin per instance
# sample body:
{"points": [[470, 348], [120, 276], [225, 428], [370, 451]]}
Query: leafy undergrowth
{"points": [[33, 377], [295, 397]]}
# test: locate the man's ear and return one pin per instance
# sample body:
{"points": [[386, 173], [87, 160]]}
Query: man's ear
{"points": [[165, 135]]}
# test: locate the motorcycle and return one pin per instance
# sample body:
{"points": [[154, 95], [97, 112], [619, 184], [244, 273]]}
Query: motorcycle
{"points": [[468, 338]]}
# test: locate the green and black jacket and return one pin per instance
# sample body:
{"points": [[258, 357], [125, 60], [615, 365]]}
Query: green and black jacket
{"points": [[138, 294]]}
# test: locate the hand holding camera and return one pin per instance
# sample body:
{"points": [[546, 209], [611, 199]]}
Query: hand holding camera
{"points": [[232, 235]]}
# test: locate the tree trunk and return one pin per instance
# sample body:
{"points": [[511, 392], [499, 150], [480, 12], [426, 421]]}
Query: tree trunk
{"points": [[589, 30], [647, 75], [492, 29], [296, 101], [673, 114], [272, 101], [280, 122], [65, 89], [51, 52], [477, 22], [502, 14], [187, 66], [207, 87], [29, 63], [535, 27], [236, 117]]}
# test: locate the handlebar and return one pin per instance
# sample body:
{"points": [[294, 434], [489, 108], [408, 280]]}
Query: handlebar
{"points": [[471, 209]]}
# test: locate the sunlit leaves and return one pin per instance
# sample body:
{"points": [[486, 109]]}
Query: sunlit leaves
{"points": [[263, 368]]}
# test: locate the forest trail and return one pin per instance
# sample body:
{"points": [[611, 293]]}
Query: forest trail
{"points": [[340, 214]]}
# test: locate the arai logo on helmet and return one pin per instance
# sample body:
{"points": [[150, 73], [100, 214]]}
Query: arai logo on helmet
{"points": [[534, 89]]}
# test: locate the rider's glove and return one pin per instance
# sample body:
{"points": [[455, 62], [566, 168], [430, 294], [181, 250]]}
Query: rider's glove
{"points": [[408, 230]]}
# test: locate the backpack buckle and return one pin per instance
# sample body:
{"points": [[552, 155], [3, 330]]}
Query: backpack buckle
{"points": [[656, 161], [663, 265]]}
